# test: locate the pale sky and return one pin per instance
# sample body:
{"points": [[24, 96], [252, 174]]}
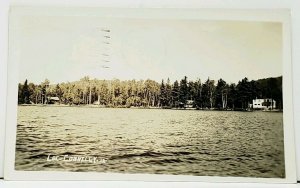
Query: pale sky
{"points": [[65, 49]]}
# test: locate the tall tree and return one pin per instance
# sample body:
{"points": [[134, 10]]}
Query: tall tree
{"points": [[221, 94], [175, 94], [168, 93], [232, 96], [183, 91], [208, 93], [26, 93], [192, 90], [20, 94], [163, 94], [198, 94], [244, 93], [45, 86]]}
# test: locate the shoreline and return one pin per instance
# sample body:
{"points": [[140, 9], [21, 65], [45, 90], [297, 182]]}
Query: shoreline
{"points": [[163, 108]]}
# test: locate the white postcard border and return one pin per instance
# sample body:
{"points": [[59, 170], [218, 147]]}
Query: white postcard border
{"points": [[280, 15]]}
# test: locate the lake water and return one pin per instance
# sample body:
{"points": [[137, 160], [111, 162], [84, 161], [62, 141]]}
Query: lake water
{"points": [[153, 141]]}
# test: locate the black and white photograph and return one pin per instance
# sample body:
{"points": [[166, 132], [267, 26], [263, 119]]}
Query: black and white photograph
{"points": [[158, 95]]}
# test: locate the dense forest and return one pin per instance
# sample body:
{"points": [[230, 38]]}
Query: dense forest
{"points": [[148, 93]]}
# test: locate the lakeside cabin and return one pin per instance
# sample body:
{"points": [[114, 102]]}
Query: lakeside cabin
{"points": [[96, 103], [263, 104], [189, 104], [53, 100]]}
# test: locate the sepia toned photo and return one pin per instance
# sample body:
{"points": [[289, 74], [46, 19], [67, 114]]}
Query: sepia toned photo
{"points": [[192, 97]]}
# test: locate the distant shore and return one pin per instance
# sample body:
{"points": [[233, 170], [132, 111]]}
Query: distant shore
{"points": [[149, 107]]}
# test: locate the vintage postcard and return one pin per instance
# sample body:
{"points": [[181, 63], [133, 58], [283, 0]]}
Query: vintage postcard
{"points": [[149, 94]]}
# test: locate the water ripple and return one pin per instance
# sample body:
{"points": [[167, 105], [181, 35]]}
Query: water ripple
{"points": [[204, 143]]}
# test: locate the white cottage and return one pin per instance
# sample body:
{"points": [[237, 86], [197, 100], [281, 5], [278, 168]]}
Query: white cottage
{"points": [[264, 104], [53, 100], [189, 104]]}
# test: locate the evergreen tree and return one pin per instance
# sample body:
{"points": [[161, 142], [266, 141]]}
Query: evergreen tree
{"points": [[205, 95], [244, 93], [192, 90], [183, 91], [198, 94], [232, 96], [20, 94], [163, 98], [25, 93], [175, 94]]}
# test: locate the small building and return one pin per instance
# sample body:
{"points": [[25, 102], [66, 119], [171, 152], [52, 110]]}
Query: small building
{"points": [[96, 103], [53, 100], [264, 104], [189, 104]]}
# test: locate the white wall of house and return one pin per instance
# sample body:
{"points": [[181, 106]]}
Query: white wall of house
{"points": [[263, 103]]}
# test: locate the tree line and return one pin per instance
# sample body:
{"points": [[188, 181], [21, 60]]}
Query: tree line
{"points": [[149, 93]]}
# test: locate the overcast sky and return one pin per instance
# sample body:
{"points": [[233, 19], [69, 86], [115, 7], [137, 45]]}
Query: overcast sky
{"points": [[67, 48]]}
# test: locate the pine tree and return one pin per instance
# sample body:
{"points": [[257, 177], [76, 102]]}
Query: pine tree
{"points": [[20, 94], [162, 97], [232, 96], [198, 94], [175, 94], [244, 93], [25, 93], [183, 91]]}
